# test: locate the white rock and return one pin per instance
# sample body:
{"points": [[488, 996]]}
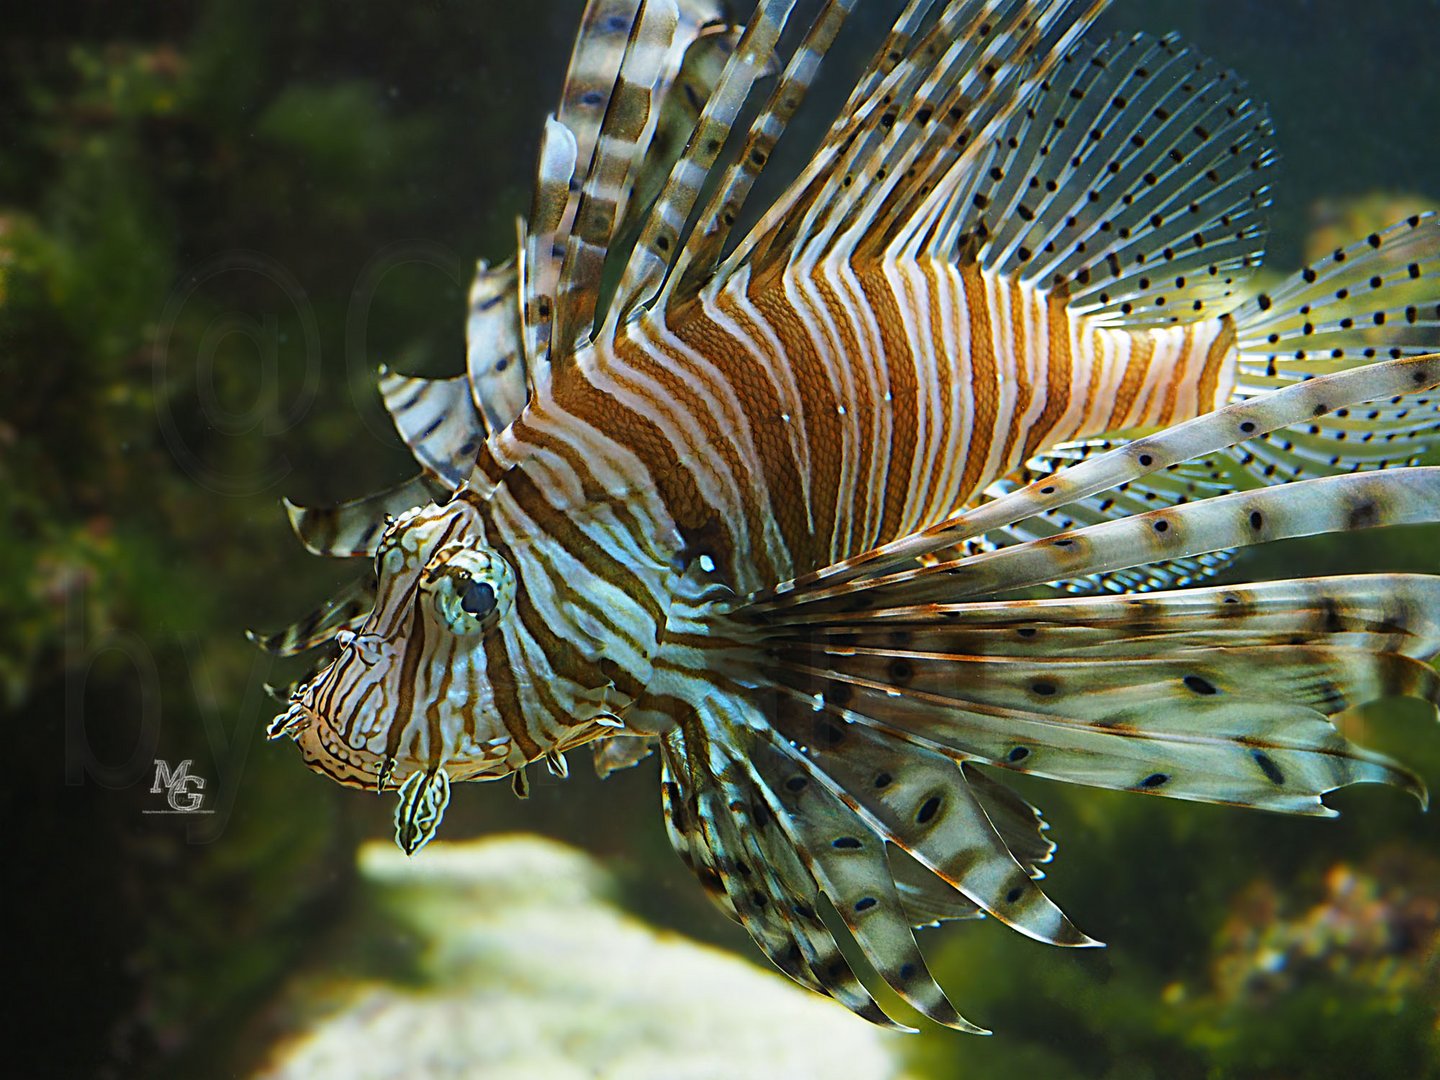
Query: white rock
{"points": [[531, 972]]}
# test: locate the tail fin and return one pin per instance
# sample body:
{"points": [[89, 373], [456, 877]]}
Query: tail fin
{"points": [[1377, 299]]}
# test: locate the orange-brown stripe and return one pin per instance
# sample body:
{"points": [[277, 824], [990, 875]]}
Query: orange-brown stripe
{"points": [[1059, 376], [1142, 348], [1024, 389], [1220, 350], [983, 381]]}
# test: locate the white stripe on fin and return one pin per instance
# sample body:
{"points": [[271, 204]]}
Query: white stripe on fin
{"points": [[494, 355], [438, 421]]}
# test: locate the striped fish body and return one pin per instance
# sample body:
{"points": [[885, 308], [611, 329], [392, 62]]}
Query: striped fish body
{"points": [[800, 420], [764, 502]]}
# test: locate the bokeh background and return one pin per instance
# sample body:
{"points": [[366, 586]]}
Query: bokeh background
{"points": [[216, 219]]}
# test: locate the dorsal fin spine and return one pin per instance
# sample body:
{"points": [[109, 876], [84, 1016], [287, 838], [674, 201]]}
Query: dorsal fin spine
{"points": [[702, 248], [950, 162], [661, 236], [629, 119]]}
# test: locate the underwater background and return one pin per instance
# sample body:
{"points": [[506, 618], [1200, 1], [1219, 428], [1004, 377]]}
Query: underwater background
{"points": [[216, 220]]}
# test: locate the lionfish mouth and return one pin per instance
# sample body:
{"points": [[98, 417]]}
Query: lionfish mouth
{"points": [[322, 748]]}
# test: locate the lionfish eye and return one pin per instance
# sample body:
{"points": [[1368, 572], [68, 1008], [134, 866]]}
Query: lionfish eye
{"points": [[478, 599], [469, 588]]}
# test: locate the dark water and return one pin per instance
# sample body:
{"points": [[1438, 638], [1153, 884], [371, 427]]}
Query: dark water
{"points": [[216, 219]]}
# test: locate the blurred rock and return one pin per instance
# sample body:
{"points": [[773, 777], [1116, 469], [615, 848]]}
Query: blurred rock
{"points": [[523, 968], [1338, 221]]}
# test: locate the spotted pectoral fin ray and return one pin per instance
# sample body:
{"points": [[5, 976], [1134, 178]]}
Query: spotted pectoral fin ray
{"points": [[1248, 727], [1331, 505], [353, 529], [1172, 486], [788, 804], [764, 887], [922, 802], [423, 797], [1384, 613], [730, 826]]}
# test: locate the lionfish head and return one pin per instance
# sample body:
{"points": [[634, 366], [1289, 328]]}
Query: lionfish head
{"points": [[413, 688]]}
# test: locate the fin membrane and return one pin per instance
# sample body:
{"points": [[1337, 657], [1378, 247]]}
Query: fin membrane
{"points": [[1136, 179], [353, 529], [1377, 299]]}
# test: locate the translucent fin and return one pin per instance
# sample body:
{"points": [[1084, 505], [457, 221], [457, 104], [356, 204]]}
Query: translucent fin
{"points": [[848, 858], [1243, 727], [346, 610], [438, 421], [353, 529], [1377, 299], [1136, 179], [928, 900], [620, 752]]}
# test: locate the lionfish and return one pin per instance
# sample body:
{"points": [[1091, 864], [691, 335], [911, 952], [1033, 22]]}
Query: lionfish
{"points": [[897, 487]]}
